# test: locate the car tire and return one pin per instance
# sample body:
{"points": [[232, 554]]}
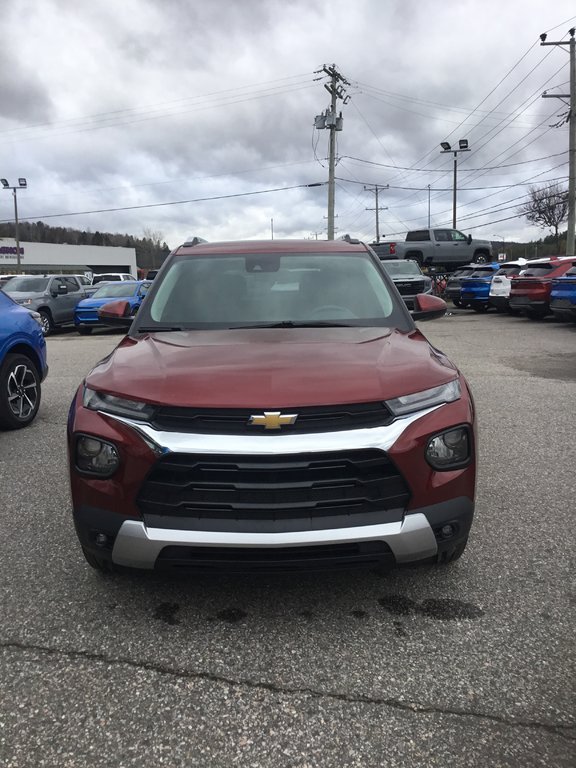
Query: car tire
{"points": [[534, 314], [100, 564], [46, 322], [20, 392], [480, 308], [84, 330], [457, 303], [480, 258], [451, 555]]}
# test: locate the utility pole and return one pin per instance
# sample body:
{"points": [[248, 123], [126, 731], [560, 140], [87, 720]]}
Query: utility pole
{"points": [[571, 120], [333, 122], [376, 190]]}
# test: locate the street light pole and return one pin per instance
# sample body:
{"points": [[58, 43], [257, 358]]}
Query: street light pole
{"points": [[22, 184], [462, 147]]}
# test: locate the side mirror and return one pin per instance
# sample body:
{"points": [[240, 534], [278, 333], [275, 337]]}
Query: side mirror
{"points": [[428, 307], [116, 313], [59, 290], [469, 239]]}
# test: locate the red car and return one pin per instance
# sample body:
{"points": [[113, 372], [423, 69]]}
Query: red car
{"points": [[530, 291], [273, 406]]}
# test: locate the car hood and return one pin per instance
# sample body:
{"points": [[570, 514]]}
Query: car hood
{"points": [[271, 368], [24, 295]]}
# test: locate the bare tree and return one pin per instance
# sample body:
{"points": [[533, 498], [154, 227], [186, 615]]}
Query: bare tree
{"points": [[547, 207]]}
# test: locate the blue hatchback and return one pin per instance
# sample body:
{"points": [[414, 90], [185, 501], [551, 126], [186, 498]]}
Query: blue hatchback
{"points": [[563, 296], [475, 288], [23, 365], [86, 312]]}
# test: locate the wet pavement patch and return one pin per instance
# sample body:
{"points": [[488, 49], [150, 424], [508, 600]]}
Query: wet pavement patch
{"points": [[166, 612], [231, 615], [442, 609], [359, 614], [559, 366]]}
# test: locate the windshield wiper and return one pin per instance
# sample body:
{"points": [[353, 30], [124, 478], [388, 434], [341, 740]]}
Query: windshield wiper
{"points": [[294, 324], [160, 329]]}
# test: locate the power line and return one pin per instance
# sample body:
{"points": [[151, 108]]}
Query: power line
{"points": [[172, 202]]}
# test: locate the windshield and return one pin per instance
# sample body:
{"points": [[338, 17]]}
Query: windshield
{"points": [[232, 290], [115, 291], [543, 269], [482, 273], [27, 285], [396, 268], [512, 269]]}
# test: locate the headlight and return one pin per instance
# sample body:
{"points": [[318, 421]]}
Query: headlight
{"points": [[419, 401], [25, 302], [96, 456], [450, 449], [119, 406], [36, 316]]}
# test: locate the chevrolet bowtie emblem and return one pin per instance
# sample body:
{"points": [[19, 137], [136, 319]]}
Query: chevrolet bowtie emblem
{"points": [[272, 419]]}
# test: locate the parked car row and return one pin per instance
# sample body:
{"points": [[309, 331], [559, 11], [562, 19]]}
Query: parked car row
{"points": [[57, 298], [535, 288]]}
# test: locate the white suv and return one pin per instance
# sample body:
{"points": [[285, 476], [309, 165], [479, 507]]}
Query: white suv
{"points": [[499, 296], [111, 277]]}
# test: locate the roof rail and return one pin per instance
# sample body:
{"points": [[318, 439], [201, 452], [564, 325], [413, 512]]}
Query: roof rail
{"points": [[351, 240], [194, 241]]}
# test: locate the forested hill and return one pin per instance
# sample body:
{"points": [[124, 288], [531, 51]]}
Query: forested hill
{"points": [[150, 250]]}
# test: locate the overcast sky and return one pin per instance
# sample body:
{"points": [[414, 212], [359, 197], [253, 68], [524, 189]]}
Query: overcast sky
{"points": [[116, 104]]}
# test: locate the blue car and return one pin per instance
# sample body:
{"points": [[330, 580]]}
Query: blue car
{"points": [[86, 312], [475, 288], [563, 296], [23, 365]]}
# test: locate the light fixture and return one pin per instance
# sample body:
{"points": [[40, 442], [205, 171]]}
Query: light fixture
{"points": [[22, 182], [445, 146], [4, 182], [543, 37], [463, 143]]}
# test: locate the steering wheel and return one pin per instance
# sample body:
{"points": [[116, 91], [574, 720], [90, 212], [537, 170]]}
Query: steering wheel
{"points": [[333, 311]]}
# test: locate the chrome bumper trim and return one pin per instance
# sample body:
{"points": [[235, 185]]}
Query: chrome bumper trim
{"points": [[137, 546], [259, 444]]}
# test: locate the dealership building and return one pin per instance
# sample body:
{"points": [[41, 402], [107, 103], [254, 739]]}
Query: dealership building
{"points": [[48, 258]]}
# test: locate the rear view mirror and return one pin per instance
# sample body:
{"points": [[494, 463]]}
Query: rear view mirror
{"points": [[116, 313], [428, 307]]}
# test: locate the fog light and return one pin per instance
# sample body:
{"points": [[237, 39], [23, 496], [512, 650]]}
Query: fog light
{"points": [[101, 539], [446, 531], [96, 456], [449, 450]]}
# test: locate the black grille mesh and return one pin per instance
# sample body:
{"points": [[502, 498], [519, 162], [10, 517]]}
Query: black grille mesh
{"points": [[273, 488]]}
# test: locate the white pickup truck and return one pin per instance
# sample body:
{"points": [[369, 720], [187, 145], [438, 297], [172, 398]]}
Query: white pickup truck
{"points": [[437, 247]]}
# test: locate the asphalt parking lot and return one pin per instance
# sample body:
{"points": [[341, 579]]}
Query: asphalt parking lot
{"points": [[467, 665]]}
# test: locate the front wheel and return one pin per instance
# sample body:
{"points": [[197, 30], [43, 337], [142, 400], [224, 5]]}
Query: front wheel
{"points": [[84, 330], [46, 322], [457, 303], [480, 258], [481, 308], [19, 392]]}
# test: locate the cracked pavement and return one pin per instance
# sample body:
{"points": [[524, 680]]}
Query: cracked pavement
{"points": [[467, 665]]}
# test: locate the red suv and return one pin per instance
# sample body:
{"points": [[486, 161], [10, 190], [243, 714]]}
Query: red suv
{"points": [[273, 406], [530, 291]]}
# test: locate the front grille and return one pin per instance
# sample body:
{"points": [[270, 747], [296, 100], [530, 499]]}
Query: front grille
{"points": [[235, 421], [410, 287], [208, 489]]}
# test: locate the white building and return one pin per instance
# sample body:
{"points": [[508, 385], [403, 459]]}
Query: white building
{"points": [[40, 258]]}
